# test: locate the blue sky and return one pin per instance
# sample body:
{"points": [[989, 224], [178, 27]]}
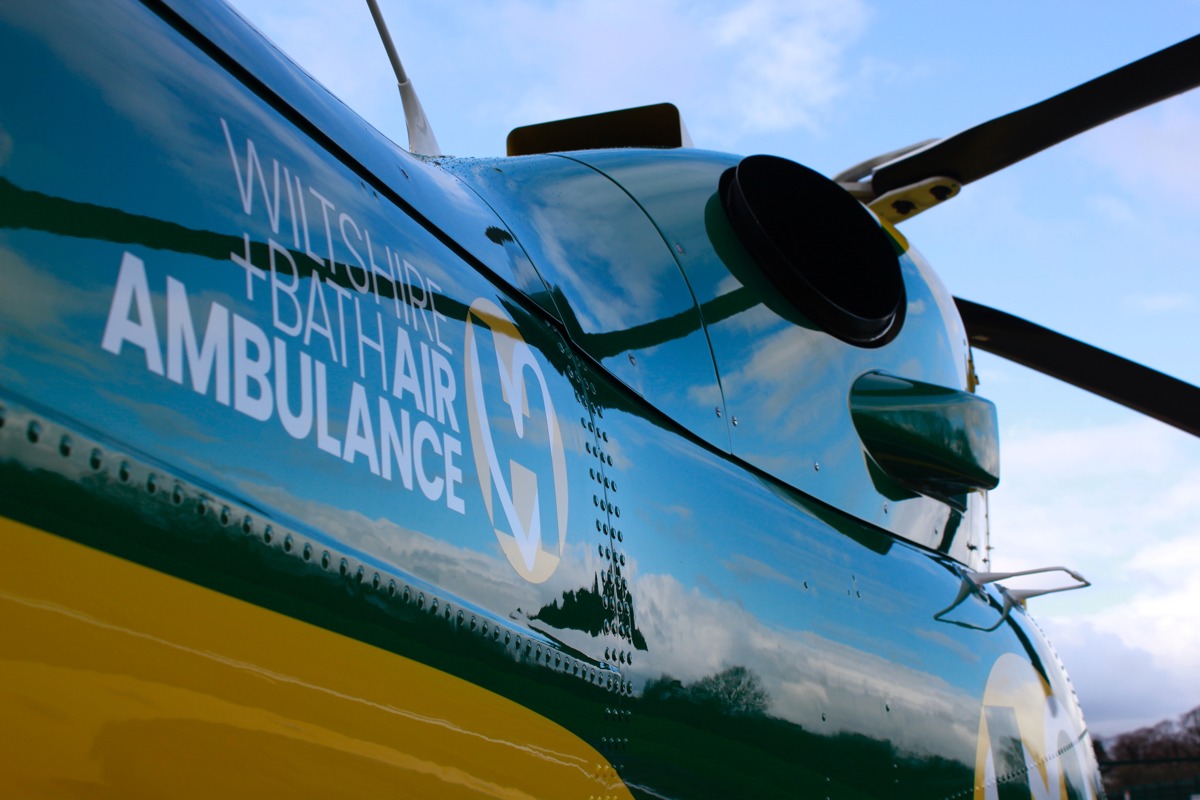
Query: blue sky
{"points": [[1098, 238]]}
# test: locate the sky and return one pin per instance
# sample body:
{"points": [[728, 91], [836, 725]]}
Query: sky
{"points": [[1097, 238]]}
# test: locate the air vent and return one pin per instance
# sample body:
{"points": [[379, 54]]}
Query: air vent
{"points": [[819, 246]]}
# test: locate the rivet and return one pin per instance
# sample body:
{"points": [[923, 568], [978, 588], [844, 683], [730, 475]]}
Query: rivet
{"points": [[622, 559], [34, 431], [460, 617], [3, 415], [151, 483], [620, 536], [496, 633], [360, 574], [95, 460], [610, 462], [421, 602], [64, 446], [718, 410], [247, 525], [225, 514], [598, 526], [734, 420], [632, 359], [288, 543], [617, 510], [325, 558], [122, 473], [885, 508], [343, 567], [507, 637], [604, 435], [679, 248], [473, 623], [816, 466], [806, 584], [307, 553], [587, 446], [268, 534], [176, 494], [376, 581], [600, 550], [822, 716], [591, 473], [888, 708]]}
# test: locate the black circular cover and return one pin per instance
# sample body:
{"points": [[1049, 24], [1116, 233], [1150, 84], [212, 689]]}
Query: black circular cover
{"points": [[819, 246]]}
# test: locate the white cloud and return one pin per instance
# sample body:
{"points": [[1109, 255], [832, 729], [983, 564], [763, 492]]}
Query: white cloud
{"points": [[1120, 686], [1119, 503], [1165, 301], [761, 65], [1153, 152]]}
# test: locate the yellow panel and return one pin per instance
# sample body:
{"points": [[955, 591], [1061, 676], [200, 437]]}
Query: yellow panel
{"points": [[120, 681]]}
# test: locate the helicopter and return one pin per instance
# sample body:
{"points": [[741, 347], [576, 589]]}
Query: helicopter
{"points": [[331, 468]]}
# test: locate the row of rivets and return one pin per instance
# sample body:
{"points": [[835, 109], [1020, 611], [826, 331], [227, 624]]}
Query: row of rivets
{"points": [[618, 714], [304, 549]]}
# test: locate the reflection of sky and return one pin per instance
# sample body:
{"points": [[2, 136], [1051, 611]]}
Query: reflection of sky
{"points": [[786, 383], [147, 118], [738, 575], [590, 241], [717, 581]]}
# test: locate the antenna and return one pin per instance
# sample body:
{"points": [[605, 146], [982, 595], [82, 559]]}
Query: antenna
{"points": [[420, 135]]}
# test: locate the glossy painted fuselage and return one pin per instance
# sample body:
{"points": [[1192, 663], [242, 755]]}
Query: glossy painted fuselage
{"points": [[328, 469]]}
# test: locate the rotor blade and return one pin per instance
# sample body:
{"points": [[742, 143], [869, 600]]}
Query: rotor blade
{"points": [[994, 145], [1167, 399]]}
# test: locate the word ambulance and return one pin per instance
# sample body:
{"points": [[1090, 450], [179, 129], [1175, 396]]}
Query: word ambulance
{"points": [[285, 375]]}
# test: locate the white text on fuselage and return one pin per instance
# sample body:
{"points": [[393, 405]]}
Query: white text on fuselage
{"points": [[373, 319]]}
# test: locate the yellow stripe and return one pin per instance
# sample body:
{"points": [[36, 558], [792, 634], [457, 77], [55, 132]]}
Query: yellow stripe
{"points": [[119, 681]]}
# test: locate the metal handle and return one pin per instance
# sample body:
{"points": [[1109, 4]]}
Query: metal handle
{"points": [[976, 580], [1021, 595]]}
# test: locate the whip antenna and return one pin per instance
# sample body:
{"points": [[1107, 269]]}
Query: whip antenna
{"points": [[420, 135]]}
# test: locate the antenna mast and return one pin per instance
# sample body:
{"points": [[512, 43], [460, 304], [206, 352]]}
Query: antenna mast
{"points": [[420, 135]]}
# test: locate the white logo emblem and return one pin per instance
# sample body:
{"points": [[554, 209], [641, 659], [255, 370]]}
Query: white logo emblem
{"points": [[523, 543]]}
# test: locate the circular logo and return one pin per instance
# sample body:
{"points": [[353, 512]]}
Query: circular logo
{"points": [[519, 490], [1029, 744]]}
